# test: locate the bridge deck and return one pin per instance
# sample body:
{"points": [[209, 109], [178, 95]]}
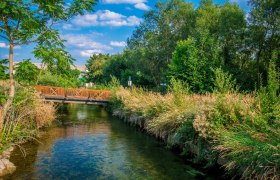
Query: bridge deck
{"points": [[74, 95]]}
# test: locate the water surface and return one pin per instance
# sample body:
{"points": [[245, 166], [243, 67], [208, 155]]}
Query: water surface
{"points": [[90, 144]]}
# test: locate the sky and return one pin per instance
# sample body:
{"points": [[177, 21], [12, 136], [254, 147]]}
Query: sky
{"points": [[103, 31]]}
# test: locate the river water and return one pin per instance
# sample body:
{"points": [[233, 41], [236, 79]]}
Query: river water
{"points": [[87, 143]]}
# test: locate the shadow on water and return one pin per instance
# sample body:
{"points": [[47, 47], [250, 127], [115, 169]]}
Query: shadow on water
{"points": [[90, 144]]}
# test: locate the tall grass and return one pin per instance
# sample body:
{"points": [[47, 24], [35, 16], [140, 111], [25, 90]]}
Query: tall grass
{"points": [[241, 131], [27, 114]]}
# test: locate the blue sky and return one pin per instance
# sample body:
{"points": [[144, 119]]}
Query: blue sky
{"points": [[104, 31]]}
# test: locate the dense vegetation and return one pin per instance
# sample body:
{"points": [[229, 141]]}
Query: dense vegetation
{"points": [[22, 111], [27, 114], [176, 40], [239, 131], [222, 69]]}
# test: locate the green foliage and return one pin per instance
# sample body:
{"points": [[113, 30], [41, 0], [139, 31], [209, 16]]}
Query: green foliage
{"points": [[55, 58], [26, 72], [188, 65], [3, 69], [3, 92], [238, 129], [25, 22], [95, 66], [26, 115], [264, 36], [46, 78], [32, 21], [178, 87], [269, 97], [223, 81], [114, 84]]}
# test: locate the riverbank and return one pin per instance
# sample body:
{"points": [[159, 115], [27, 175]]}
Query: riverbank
{"points": [[88, 143], [27, 114], [234, 130]]}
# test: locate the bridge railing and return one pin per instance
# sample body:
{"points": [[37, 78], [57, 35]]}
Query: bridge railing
{"points": [[78, 93]]}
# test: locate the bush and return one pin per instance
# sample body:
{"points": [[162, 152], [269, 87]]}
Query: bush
{"points": [[47, 78], [223, 81]]}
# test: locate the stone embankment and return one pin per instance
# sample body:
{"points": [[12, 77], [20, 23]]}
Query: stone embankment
{"points": [[6, 167]]}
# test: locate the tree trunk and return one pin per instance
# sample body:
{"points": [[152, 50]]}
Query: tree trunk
{"points": [[259, 75], [12, 88]]}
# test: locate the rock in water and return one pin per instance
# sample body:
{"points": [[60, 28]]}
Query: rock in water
{"points": [[6, 167]]}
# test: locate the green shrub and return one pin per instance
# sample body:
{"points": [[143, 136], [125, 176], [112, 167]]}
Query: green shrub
{"points": [[47, 78], [223, 81]]}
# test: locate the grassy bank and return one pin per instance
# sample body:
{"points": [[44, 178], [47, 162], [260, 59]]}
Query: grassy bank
{"points": [[239, 131], [25, 117]]}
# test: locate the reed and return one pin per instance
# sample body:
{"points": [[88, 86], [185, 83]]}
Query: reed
{"points": [[27, 114], [228, 126]]}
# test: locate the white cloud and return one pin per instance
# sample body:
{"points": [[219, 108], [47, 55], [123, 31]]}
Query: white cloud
{"points": [[118, 44], [139, 4], [90, 52], [106, 18], [3, 45], [84, 42], [69, 27], [142, 6]]}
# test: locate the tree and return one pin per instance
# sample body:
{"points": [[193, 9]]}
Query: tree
{"points": [[95, 66], [56, 59], [264, 26], [191, 66], [25, 22], [153, 42], [26, 72], [115, 66], [231, 30]]}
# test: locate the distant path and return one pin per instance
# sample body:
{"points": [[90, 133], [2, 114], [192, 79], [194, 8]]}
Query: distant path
{"points": [[74, 95]]}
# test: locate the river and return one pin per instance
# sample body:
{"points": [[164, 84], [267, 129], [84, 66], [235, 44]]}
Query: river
{"points": [[88, 143]]}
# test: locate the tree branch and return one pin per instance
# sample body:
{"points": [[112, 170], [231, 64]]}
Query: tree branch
{"points": [[36, 39], [8, 30], [18, 24]]}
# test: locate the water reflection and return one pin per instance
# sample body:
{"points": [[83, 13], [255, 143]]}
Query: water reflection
{"points": [[89, 144]]}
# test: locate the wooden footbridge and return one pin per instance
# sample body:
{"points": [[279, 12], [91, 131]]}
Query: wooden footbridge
{"points": [[74, 95]]}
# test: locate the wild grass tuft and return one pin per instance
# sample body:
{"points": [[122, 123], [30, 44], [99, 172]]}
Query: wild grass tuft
{"points": [[27, 114], [237, 129]]}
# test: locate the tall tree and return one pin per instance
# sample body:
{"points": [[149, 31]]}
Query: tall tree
{"points": [[153, 42], [29, 21], [95, 66], [264, 25]]}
